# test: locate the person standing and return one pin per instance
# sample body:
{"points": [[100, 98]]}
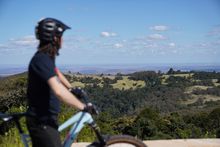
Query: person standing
{"points": [[47, 86]]}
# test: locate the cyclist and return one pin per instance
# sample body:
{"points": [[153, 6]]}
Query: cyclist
{"points": [[47, 86]]}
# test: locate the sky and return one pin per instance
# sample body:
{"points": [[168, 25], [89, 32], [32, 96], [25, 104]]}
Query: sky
{"points": [[115, 31]]}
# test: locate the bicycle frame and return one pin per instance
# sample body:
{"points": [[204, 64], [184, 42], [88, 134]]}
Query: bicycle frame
{"points": [[79, 120]]}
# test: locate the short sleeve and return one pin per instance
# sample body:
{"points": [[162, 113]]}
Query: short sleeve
{"points": [[43, 66]]}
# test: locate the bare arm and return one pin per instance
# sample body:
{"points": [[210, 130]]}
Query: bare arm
{"points": [[63, 79], [63, 94]]}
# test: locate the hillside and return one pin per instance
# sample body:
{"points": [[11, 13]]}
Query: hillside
{"points": [[166, 92], [145, 104]]}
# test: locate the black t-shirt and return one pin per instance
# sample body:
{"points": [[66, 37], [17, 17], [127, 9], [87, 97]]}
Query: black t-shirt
{"points": [[41, 99]]}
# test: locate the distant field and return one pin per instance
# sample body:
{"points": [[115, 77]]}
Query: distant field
{"points": [[194, 97], [205, 98], [93, 76], [127, 84], [215, 82], [165, 77], [78, 84], [178, 75], [192, 88]]}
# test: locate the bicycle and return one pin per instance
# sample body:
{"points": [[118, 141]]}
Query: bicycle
{"points": [[78, 121]]}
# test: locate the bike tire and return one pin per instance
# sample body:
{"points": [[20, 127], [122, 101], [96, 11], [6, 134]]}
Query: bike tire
{"points": [[118, 140]]}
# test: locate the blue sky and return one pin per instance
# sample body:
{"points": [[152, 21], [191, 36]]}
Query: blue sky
{"points": [[116, 31]]}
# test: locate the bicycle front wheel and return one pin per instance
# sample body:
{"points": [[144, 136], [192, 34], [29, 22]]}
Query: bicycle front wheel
{"points": [[124, 141]]}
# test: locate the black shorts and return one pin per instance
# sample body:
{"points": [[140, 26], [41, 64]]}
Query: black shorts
{"points": [[43, 134]]}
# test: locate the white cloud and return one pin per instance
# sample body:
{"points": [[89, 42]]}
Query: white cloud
{"points": [[113, 34], [118, 45], [172, 44], [105, 34], [174, 51], [108, 34], [156, 37], [215, 31], [159, 28], [15, 46], [154, 45], [27, 40]]}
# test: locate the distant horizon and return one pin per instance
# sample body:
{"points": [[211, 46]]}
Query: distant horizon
{"points": [[114, 69], [119, 64]]}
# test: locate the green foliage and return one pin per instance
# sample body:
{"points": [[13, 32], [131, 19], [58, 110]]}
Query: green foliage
{"points": [[86, 135], [145, 124], [210, 91], [13, 92], [218, 133], [9, 136], [177, 81], [214, 118], [151, 78], [152, 111], [206, 75], [106, 123]]}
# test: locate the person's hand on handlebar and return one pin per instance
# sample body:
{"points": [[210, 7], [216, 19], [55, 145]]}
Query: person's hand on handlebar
{"points": [[80, 93], [90, 108]]}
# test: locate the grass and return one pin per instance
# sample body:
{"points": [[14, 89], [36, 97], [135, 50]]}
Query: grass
{"points": [[215, 82], [165, 77], [178, 75], [195, 87], [94, 76], [78, 84], [11, 138], [127, 84], [12, 82], [211, 98], [206, 98]]}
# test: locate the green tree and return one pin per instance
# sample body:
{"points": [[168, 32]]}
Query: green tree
{"points": [[214, 118], [145, 124]]}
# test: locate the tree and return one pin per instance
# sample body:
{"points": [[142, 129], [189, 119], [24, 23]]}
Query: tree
{"points": [[145, 124], [214, 118], [170, 71]]}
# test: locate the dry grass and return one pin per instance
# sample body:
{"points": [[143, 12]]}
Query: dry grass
{"points": [[165, 77], [78, 84], [215, 82], [127, 84], [196, 87], [206, 98]]}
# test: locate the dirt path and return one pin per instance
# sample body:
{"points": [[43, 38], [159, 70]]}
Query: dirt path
{"points": [[174, 143], [184, 143]]}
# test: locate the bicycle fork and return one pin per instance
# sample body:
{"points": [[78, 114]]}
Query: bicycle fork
{"points": [[96, 129]]}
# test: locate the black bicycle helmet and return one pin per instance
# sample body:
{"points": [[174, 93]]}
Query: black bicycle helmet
{"points": [[49, 28]]}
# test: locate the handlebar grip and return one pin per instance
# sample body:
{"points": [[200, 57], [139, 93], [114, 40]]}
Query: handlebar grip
{"points": [[90, 108], [79, 93]]}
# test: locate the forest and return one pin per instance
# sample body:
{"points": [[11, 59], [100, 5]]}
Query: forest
{"points": [[144, 104]]}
